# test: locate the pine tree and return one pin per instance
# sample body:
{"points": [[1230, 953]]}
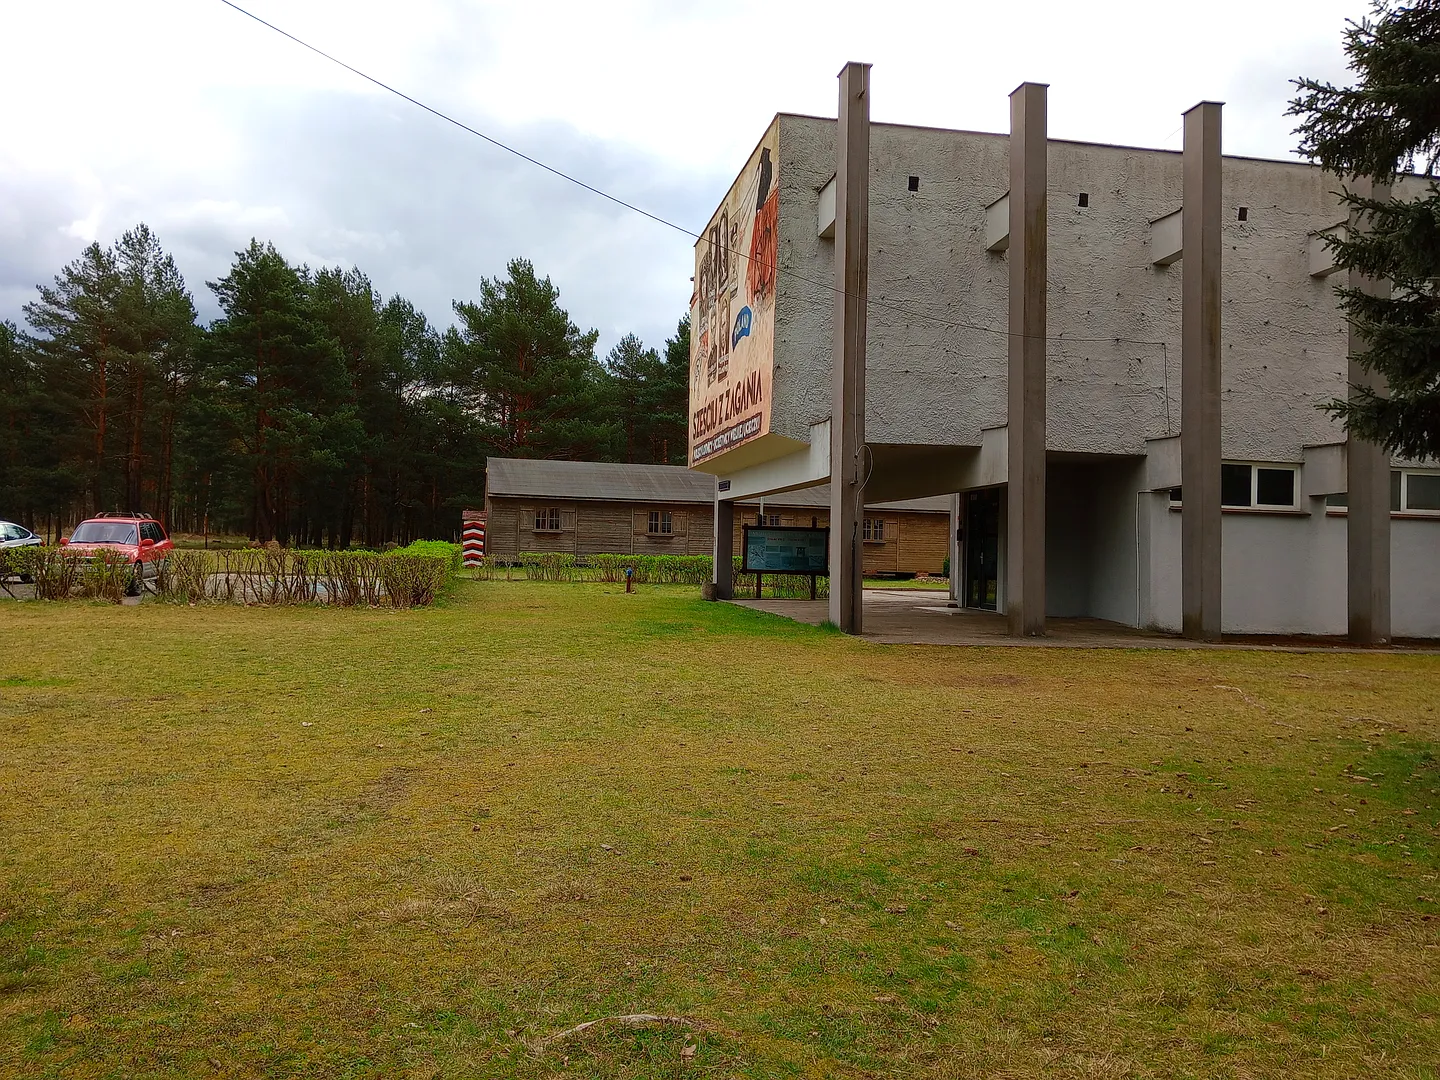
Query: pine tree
{"points": [[36, 486], [633, 370], [79, 345], [526, 372], [1387, 123], [157, 334], [281, 386], [670, 428]]}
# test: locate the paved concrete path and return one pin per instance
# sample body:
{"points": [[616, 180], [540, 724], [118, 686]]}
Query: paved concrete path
{"points": [[921, 617]]}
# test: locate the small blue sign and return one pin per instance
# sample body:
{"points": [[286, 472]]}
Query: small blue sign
{"points": [[742, 326]]}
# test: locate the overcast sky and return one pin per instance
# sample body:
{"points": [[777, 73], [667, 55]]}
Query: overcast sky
{"points": [[212, 129]]}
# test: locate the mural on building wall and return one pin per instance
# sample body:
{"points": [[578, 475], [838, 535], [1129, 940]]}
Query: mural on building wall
{"points": [[732, 311]]}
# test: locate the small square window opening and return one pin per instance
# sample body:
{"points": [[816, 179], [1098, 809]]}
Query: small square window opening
{"points": [[1235, 485], [1422, 492], [1244, 214], [1275, 487], [1084, 199], [914, 183]]}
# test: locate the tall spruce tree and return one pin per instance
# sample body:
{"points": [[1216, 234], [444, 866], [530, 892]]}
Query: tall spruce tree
{"points": [[1388, 123]]}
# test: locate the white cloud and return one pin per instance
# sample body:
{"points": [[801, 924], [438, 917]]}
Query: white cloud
{"points": [[213, 129]]}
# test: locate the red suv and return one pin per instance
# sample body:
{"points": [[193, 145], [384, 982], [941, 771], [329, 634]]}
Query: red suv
{"points": [[139, 539]]}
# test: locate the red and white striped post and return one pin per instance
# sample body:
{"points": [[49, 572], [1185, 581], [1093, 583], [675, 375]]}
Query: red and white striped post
{"points": [[472, 537]]}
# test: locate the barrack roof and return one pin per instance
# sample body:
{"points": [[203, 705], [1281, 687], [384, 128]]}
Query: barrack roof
{"points": [[607, 481]]}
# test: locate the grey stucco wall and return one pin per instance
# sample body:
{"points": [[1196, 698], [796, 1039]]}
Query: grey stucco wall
{"points": [[927, 382], [1285, 573]]}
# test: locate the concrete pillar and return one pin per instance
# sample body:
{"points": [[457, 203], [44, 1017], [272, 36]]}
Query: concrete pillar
{"points": [[1200, 376], [724, 550], [1367, 480], [1028, 255], [847, 414]]}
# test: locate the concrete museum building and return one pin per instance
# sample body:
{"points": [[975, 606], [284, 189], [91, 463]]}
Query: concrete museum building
{"points": [[1111, 358]]}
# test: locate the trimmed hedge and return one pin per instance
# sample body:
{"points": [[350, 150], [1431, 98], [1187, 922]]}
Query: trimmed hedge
{"points": [[402, 578], [648, 570], [58, 576]]}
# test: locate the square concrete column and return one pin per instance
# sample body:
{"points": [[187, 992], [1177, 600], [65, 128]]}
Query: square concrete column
{"points": [[847, 413], [1029, 285], [1367, 481], [1200, 376], [723, 570]]}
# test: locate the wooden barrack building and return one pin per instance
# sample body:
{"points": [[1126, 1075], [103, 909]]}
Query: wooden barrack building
{"points": [[593, 507]]}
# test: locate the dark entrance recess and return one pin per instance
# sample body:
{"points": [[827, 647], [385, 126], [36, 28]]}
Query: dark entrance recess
{"points": [[982, 548]]}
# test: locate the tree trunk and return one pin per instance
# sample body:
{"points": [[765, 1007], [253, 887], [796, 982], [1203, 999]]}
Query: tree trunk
{"points": [[133, 493]]}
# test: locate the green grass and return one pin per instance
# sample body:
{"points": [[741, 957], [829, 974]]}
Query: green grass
{"points": [[354, 843]]}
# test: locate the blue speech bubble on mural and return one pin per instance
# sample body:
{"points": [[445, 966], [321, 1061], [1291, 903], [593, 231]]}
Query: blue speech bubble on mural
{"points": [[742, 326]]}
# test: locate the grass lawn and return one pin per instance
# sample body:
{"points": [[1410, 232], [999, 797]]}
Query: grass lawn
{"points": [[337, 843]]}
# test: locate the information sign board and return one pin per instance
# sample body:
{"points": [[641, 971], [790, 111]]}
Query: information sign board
{"points": [[785, 549]]}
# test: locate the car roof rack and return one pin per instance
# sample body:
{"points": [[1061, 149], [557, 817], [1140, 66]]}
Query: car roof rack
{"points": [[137, 515]]}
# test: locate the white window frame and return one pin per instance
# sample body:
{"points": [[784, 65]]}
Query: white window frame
{"points": [[660, 523], [548, 520], [1255, 504], [1405, 508], [873, 531]]}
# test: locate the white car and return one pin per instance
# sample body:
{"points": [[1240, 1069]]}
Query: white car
{"points": [[17, 536], [12, 536]]}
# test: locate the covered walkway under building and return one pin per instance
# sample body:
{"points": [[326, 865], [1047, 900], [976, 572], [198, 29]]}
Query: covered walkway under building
{"points": [[928, 617]]}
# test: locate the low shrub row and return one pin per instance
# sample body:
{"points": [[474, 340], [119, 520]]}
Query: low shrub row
{"points": [[59, 576], [646, 570], [406, 577]]}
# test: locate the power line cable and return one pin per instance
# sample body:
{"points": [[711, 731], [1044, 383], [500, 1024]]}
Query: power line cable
{"points": [[869, 301]]}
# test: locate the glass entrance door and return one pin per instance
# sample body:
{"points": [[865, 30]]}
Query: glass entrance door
{"points": [[982, 548]]}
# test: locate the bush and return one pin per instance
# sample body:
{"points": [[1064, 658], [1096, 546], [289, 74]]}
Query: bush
{"points": [[401, 578], [648, 570], [442, 548], [549, 566], [59, 574], [778, 586], [651, 569]]}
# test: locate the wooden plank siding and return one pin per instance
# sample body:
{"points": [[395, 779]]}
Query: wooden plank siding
{"points": [[922, 542], [598, 527], [915, 543]]}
